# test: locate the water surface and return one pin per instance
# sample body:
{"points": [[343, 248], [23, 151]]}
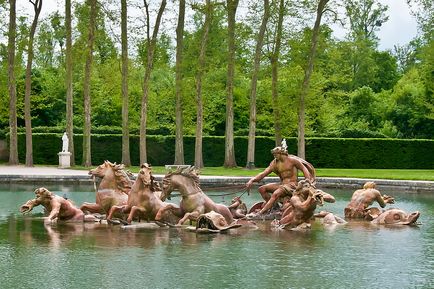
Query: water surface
{"points": [[356, 255]]}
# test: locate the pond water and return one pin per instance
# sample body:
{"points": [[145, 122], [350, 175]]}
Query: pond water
{"points": [[356, 255]]}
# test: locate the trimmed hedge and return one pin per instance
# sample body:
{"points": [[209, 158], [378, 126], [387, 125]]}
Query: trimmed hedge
{"points": [[321, 152]]}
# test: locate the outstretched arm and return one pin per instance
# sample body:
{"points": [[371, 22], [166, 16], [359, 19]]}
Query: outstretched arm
{"points": [[260, 176], [234, 205], [380, 199]]}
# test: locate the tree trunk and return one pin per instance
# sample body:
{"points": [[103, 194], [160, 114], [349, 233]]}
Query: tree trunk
{"points": [[68, 82], [125, 128], [87, 159], [307, 76], [149, 63], [229, 134], [257, 60], [198, 156], [275, 75], [179, 142], [37, 5], [13, 138]]}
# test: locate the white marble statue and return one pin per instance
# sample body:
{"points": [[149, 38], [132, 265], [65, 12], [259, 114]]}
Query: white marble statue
{"points": [[65, 142]]}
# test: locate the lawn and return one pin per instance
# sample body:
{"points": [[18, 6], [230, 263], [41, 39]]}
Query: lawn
{"points": [[395, 174]]}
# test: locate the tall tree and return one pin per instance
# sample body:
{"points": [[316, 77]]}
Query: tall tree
{"points": [[125, 128], [37, 5], [13, 138], [151, 44], [87, 158], [365, 17], [230, 161], [68, 81], [275, 75], [179, 142], [307, 75], [198, 156], [424, 12], [258, 52]]}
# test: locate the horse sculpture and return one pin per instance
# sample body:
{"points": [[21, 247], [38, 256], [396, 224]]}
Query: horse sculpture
{"points": [[113, 189], [142, 200], [194, 201]]}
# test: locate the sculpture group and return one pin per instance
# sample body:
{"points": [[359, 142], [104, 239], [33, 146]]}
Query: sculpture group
{"points": [[290, 203]]}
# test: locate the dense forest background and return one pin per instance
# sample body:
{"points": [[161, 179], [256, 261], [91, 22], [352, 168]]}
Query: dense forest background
{"points": [[355, 89]]}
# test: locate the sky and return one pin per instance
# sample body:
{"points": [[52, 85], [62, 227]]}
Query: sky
{"points": [[400, 29]]}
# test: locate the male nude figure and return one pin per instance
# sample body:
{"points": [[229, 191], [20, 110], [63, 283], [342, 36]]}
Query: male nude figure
{"points": [[58, 208], [286, 167], [302, 205], [238, 208], [363, 198]]}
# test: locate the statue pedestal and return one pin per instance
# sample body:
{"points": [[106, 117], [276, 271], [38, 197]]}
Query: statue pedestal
{"points": [[64, 160]]}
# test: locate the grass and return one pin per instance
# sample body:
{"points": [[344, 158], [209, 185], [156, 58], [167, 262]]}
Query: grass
{"points": [[393, 174]]}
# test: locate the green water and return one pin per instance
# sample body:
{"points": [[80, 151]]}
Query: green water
{"points": [[356, 255]]}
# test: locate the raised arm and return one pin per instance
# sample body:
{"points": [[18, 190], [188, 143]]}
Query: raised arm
{"points": [[303, 205], [298, 162]]}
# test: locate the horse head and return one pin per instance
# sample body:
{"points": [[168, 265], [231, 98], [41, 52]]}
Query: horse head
{"points": [[113, 174], [101, 170], [180, 180], [168, 187], [146, 177]]}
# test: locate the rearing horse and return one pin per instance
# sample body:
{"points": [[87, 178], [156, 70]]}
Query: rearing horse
{"points": [[142, 200], [194, 201], [112, 190]]}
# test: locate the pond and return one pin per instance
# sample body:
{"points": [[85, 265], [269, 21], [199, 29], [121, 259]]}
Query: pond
{"points": [[355, 255]]}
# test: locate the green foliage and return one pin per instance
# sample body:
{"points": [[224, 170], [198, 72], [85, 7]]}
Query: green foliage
{"points": [[356, 90], [412, 111], [370, 153]]}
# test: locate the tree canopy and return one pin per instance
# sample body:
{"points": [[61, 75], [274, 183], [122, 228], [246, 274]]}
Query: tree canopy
{"points": [[356, 89]]}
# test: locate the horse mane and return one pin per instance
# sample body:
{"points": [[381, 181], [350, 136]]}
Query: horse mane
{"points": [[122, 178], [190, 172]]}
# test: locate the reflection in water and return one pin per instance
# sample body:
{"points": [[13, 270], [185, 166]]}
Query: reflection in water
{"points": [[354, 255]]}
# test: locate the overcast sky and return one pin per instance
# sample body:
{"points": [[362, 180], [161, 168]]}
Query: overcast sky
{"points": [[399, 29]]}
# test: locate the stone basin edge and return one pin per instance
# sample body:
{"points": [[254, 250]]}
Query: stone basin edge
{"points": [[209, 182]]}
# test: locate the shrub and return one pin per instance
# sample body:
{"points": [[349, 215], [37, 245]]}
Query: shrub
{"points": [[321, 152]]}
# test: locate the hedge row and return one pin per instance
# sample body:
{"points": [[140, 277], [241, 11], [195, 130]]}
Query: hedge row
{"points": [[321, 152]]}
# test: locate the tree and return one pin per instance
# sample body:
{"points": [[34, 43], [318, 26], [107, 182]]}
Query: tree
{"points": [[307, 75], [68, 82], [13, 138], [198, 157], [275, 75], [229, 131], [87, 160], [151, 44], [179, 147], [252, 121], [365, 17], [37, 5], [125, 128]]}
